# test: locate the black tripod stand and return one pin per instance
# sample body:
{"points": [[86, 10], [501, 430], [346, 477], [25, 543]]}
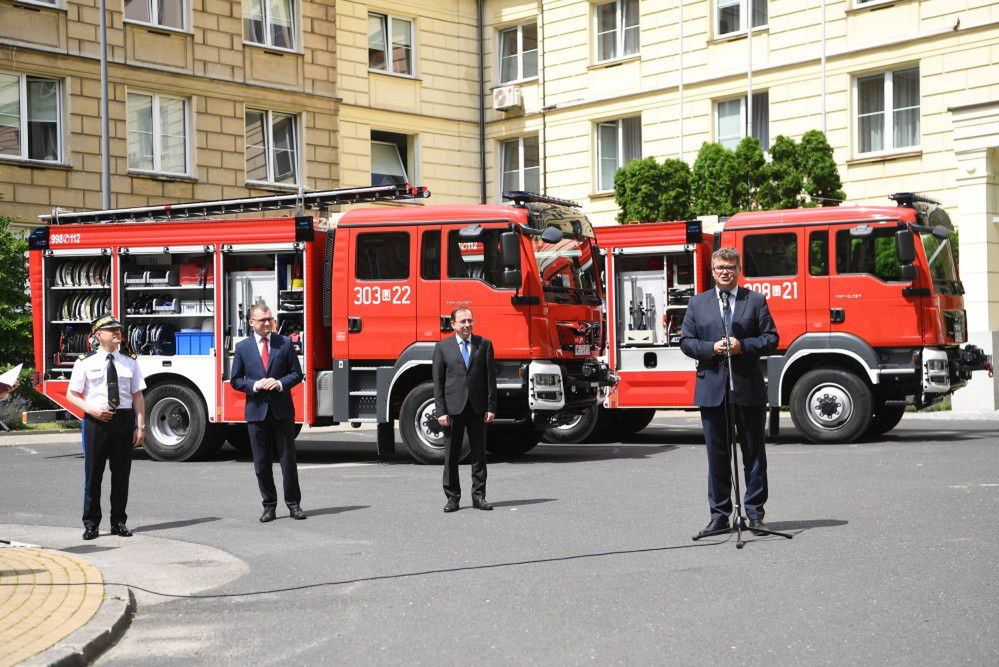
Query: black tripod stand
{"points": [[739, 521]]}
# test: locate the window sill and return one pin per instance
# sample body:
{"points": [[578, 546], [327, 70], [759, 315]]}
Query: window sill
{"points": [[31, 4], [603, 194], [162, 176], [397, 75], [155, 28], [276, 187], [888, 155], [857, 8], [275, 50], [515, 82], [615, 61], [35, 164], [735, 36]]}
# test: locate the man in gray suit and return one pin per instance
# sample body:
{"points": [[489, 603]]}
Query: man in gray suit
{"points": [[703, 338], [465, 399]]}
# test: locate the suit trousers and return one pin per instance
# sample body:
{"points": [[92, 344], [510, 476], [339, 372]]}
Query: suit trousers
{"points": [[275, 439], [471, 421], [106, 443], [750, 424]]}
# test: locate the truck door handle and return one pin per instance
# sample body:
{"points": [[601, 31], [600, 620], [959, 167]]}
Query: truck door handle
{"points": [[353, 325], [837, 315], [446, 323]]}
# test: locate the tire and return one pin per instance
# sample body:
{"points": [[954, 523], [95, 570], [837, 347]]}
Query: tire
{"points": [[575, 431], [214, 439], [630, 422], [425, 439], [239, 437], [831, 406], [886, 417], [605, 428], [502, 440], [178, 424]]}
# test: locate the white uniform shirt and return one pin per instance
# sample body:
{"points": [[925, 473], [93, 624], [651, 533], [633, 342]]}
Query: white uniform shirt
{"points": [[89, 378]]}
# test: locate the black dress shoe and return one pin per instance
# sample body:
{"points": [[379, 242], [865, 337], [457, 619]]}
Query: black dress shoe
{"points": [[481, 504], [296, 512], [757, 525], [268, 515], [715, 527], [452, 505], [90, 531], [121, 530]]}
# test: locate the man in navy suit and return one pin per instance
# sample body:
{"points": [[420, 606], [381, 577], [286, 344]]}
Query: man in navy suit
{"points": [[465, 399], [265, 367], [753, 336]]}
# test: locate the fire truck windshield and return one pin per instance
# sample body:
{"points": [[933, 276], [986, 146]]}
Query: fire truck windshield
{"points": [[567, 270], [942, 263]]}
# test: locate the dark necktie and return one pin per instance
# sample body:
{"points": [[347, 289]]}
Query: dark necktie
{"points": [[114, 399], [728, 312]]}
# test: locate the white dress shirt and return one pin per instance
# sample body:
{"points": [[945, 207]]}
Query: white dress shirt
{"points": [[89, 378]]}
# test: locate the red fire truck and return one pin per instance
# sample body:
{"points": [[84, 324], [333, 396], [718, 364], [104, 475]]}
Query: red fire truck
{"points": [[867, 301], [364, 303]]}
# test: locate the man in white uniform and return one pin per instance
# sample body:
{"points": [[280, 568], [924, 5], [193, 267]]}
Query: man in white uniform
{"points": [[107, 386]]}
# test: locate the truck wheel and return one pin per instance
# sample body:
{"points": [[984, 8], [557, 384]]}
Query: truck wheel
{"points": [[605, 428], [575, 431], [425, 439], [178, 421], [502, 440], [630, 422], [831, 406], [239, 437], [886, 417]]}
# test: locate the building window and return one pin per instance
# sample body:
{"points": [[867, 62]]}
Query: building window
{"points": [[519, 53], [389, 158], [618, 142], [617, 29], [271, 147], [168, 13], [157, 133], [390, 44], [30, 116], [270, 22], [730, 120], [522, 164], [769, 255], [732, 17], [382, 256], [888, 111]]}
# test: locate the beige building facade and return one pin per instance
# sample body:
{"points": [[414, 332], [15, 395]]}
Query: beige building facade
{"points": [[207, 99]]}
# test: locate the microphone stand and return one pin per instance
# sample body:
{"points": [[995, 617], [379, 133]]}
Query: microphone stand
{"points": [[739, 522]]}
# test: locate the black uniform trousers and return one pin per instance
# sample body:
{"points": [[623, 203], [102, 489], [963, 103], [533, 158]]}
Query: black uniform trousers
{"points": [[275, 439], [750, 424], [471, 421], [104, 443]]}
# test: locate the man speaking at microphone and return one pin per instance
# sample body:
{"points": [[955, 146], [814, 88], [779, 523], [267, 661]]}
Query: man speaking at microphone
{"points": [[745, 314]]}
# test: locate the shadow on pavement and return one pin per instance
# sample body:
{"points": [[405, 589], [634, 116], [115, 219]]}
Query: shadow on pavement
{"points": [[87, 548], [545, 453], [335, 510], [801, 526], [175, 524], [526, 501], [19, 573]]}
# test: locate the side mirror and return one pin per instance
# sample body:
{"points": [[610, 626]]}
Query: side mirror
{"points": [[510, 250], [511, 278], [551, 235], [907, 272], [905, 246], [941, 232]]}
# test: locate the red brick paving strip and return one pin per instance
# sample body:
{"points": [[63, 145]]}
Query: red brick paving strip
{"points": [[34, 616]]}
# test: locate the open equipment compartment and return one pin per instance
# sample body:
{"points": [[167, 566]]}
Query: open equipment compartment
{"points": [[77, 290]]}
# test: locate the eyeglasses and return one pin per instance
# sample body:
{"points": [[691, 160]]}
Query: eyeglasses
{"points": [[727, 268], [263, 319]]}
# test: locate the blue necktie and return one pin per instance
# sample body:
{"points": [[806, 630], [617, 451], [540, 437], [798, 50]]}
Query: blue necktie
{"points": [[464, 352]]}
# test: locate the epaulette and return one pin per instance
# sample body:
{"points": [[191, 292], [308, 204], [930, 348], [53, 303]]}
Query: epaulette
{"points": [[88, 354]]}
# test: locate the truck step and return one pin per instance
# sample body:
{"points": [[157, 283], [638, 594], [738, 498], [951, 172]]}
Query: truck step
{"points": [[364, 392]]}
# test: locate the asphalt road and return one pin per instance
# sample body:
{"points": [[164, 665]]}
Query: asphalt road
{"points": [[587, 558]]}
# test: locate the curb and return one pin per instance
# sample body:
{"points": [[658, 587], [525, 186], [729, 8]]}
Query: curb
{"points": [[97, 635]]}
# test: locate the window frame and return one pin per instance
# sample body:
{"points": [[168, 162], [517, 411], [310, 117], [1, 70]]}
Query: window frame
{"points": [[520, 162], [619, 29], [888, 112], [185, 12], [745, 18], [743, 111], [772, 234], [455, 233], [887, 233], [388, 45], [296, 22], [23, 120], [384, 235], [157, 136], [620, 147], [520, 78], [402, 163], [269, 148]]}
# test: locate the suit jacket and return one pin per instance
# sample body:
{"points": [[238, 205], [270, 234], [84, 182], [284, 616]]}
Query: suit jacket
{"points": [[754, 328], [247, 368], [454, 386]]}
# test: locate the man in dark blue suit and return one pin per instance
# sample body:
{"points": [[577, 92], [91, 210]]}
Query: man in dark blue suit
{"points": [[265, 367], [753, 336]]}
